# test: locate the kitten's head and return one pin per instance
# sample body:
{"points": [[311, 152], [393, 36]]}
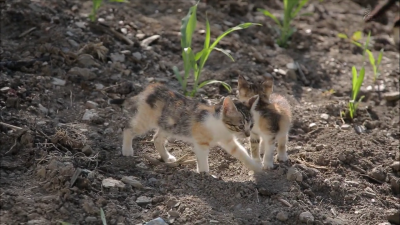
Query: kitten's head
{"points": [[236, 116], [246, 90]]}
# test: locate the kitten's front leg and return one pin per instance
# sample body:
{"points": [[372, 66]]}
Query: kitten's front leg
{"points": [[128, 135], [160, 139], [269, 146], [255, 146], [282, 152], [233, 147], [202, 151]]}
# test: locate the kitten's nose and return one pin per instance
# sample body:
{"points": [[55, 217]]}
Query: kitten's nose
{"points": [[247, 133]]}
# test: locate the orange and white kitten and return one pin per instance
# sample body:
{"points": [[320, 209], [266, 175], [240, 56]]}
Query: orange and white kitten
{"points": [[272, 117], [174, 115]]}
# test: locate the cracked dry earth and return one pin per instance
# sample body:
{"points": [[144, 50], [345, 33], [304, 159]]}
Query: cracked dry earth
{"points": [[61, 160]]}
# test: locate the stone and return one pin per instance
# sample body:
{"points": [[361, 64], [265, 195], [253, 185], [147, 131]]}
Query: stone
{"points": [[306, 217], [143, 200], [319, 147], [392, 96], [395, 166], [345, 127], [282, 216], [395, 184], [393, 216], [58, 82], [91, 105], [324, 116], [43, 109], [132, 181], [292, 66], [156, 221], [117, 57], [89, 115], [111, 182], [137, 55], [312, 125], [173, 213], [87, 150], [146, 42], [294, 174], [90, 219], [86, 60], [378, 173]]}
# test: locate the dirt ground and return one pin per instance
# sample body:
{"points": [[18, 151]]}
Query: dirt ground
{"points": [[65, 164]]}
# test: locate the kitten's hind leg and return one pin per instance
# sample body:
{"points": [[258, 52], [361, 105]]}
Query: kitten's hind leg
{"points": [[160, 139], [202, 152], [255, 146], [233, 147], [137, 127], [282, 152], [269, 146]]}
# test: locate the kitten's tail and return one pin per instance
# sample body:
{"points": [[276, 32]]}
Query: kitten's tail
{"points": [[118, 101]]}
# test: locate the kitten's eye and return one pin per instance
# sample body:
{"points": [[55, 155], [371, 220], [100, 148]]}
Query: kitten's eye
{"points": [[241, 127], [251, 126]]}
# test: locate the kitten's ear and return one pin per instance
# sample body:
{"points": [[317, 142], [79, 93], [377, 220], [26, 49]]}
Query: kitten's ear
{"points": [[242, 82], [268, 85], [252, 102], [228, 105]]}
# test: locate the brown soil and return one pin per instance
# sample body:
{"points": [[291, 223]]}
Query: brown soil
{"points": [[336, 174]]}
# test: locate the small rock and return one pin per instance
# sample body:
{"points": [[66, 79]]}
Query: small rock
{"points": [[5, 89], [37, 222], [143, 200], [90, 219], [99, 86], [292, 66], [345, 127], [392, 96], [306, 217], [319, 147], [291, 75], [140, 36], [173, 213], [117, 57], [80, 24], [87, 150], [395, 166], [378, 173], [312, 125], [395, 184], [137, 55], [43, 109], [393, 216], [214, 221], [280, 71], [91, 105], [58, 82], [146, 42], [86, 60], [132, 181], [109, 130], [384, 223], [156, 221], [110, 183], [89, 115], [294, 174], [282, 216], [125, 52], [324, 116], [77, 74]]}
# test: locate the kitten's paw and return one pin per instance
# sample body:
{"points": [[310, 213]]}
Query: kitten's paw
{"points": [[127, 151], [170, 159], [283, 157], [268, 166]]}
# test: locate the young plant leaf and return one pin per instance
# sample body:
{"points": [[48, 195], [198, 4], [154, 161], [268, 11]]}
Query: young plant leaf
{"points": [[177, 75], [225, 52], [371, 60], [359, 82], [208, 34], [207, 82], [299, 7], [357, 36], [357, 43], [354, 80], [188, 27], [103, 216], [378, 62], [267, 13], [341, 35]]}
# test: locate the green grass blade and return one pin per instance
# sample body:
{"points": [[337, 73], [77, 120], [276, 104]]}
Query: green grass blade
{"points": [[359, 82], [230, 30], [357, 43], [378, 62], [371, 58], [267, 13], [177, 75], [188, 27], [208, 34], [207, 82], [341, 35], [225, 52], [103, 216], [357, 36], [299, 7], [354, 80], [198, 55]]}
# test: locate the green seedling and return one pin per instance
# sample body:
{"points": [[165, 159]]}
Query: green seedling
{"points": [[375, 63], [291, 9], [357, 81], [355, 38], [96, 6], [195, 61]]}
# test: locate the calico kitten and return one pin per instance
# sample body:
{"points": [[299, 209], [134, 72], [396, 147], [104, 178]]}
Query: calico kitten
{"points": [[203, 125], [272, 120]]}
